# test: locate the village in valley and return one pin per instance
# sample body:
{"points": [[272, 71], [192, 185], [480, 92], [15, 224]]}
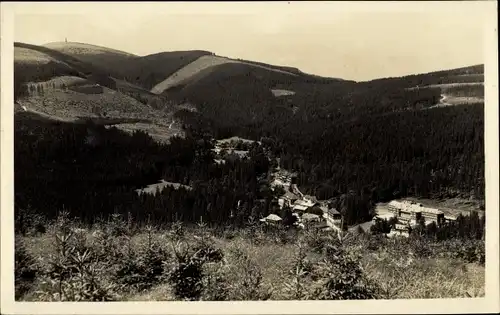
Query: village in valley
{"points": [[310, 213], [307, 211], [318, 214]]}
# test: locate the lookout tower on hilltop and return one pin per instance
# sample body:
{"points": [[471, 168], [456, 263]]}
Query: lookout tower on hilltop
{"points": [[65, 39]]}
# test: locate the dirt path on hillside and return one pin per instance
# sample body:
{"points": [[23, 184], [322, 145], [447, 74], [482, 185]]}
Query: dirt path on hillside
{"points": [[448, 100]]}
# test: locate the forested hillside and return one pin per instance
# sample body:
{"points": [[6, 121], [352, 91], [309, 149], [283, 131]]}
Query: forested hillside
{"points": [[353, 143], [93, 171]]}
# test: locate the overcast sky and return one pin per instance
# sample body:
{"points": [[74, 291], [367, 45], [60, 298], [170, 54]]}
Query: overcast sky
{"points": [[357, 41]]}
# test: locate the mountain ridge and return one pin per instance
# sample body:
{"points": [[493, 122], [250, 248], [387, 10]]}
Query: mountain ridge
{"points": [[239, 92], [463, 70]]}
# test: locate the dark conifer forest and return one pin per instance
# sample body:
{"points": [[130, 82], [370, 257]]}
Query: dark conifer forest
{"points": [[356, 156]]}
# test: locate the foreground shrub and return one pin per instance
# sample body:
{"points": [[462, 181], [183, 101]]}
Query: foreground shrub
{"points": [[188, 264], [315, 240], [470, 251], [215, 284], [25, 269], [142, 268], [185, 272], [73, 272], [340, 277], [297, 288], [248, 283]]}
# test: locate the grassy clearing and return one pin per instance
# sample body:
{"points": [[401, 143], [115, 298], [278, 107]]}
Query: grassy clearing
{"points": [[67, 98], [278, 92], [110, 107], [118, 260], [154, 188]]}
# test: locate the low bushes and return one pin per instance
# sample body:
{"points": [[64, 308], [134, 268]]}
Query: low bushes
{"points": [[116, 260]]}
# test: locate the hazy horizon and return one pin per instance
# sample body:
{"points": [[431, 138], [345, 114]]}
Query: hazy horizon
{"points": [[322, 39]]}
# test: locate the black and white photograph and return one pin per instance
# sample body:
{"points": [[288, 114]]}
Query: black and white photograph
{"points": [[250, 152]]}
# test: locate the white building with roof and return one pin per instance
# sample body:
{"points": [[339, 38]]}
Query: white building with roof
{"points": [[332, 217], [411, 211], [271, 219]]}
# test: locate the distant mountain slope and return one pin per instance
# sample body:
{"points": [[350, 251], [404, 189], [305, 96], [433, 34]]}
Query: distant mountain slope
{"points": [[236, 93], [150, 70], [33, 65], [38, 63], [24, 55], [103, 57], [58, 86], [196, 69], [86, 50], [459, 75], [142, 71], [73, 65]]}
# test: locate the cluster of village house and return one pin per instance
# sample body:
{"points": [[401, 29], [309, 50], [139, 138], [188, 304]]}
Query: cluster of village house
{"points": [[407, 213], [305, 208], [229, 147]]}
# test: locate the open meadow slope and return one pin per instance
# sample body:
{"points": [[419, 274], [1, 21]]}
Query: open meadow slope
{"points": [[200, 64]]}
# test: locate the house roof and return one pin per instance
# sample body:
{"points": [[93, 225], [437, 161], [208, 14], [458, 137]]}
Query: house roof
{"points": [[430, 210], [395, 203], [364, 226], [309, 217], [326, 228], [300, 207], [333, 211], [290, 195], [305, 203], [272, 217], [314, 208], [312, 198], [414, 207]]}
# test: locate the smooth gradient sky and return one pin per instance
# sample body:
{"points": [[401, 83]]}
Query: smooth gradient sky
{"points": [[358, 41]]}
